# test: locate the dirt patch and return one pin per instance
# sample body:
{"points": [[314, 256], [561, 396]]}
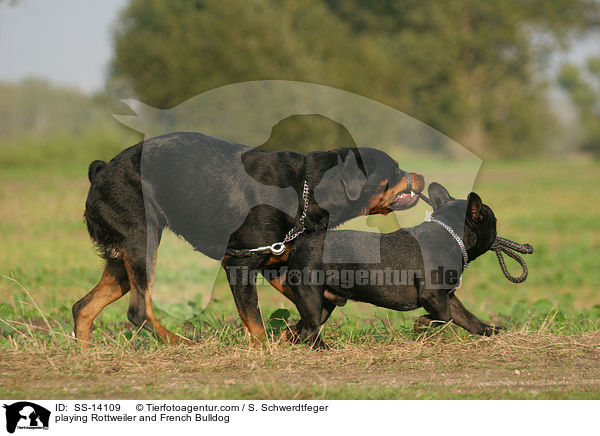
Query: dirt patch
{"points": [[517, 365]]}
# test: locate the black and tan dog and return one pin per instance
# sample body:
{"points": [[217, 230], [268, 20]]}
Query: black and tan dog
{"points": [[221, 196], [419, 267]]}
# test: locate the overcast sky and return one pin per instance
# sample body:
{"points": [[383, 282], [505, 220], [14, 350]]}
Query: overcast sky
{"points": [[68, 41], [65, 41]]}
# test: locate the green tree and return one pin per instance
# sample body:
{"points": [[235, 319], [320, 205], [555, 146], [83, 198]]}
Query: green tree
{"points": [[468, 68], [474, 67], [584, 90]]}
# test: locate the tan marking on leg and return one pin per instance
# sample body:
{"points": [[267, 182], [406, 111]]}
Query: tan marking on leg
{"points": [[423, 322], [168, 336], [110, 288], [152, 322], [335, 299], [252, 327], [285, 291], [277, 283]]}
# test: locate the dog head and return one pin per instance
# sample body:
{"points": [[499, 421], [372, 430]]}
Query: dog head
{"points": [[478, 219], [364, 181]]}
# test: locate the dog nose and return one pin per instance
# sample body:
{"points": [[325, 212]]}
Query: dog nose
{"points": [[418, 182], [415, 182]]}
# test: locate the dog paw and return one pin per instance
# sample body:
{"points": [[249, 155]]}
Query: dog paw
{"points": [[320, 345], [292, 334], [493, 330], [424, 322]]}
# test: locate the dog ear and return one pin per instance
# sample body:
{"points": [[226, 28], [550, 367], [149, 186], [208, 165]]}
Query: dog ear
{"points": [[438, 195], [351, 176], [474, 207]]}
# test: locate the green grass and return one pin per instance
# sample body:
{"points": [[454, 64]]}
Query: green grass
{"points": [[45, 248], [46, 253]]}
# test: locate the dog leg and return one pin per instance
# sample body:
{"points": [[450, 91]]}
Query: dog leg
{"points": [[112, 286], [330, 302], [245, 296], [425, 321], [310, 304], [328, 308], [436, 302], [292, 334], [141, 279], [141, 312], [462, 317], [285, 291]]}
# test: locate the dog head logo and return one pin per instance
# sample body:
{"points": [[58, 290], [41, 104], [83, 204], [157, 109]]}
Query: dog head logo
{"points": [[26, 415]]}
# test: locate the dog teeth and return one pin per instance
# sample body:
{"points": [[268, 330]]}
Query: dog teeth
{"points": [[412, 194]]}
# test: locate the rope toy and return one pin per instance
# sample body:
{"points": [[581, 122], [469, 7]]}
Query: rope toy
{"points": [[503, 245]]}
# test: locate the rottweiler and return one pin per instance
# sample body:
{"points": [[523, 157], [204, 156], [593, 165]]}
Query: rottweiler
{"points": [[222, 197], [419, 267]]}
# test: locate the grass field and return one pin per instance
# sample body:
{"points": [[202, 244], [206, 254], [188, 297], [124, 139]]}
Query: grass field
{"points": [[551, 348]]}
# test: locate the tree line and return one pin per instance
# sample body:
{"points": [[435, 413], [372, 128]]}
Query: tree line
{"points": [[473, 70]]}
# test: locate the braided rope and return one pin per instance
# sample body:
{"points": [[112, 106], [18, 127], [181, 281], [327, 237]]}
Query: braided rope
{"points": [[502, 245]]}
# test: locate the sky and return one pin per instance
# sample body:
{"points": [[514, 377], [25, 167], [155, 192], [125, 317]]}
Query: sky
{"points": [[68, 42]]}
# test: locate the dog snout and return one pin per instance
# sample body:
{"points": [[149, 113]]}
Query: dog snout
{"points": [[412, 182], [418, 182]]}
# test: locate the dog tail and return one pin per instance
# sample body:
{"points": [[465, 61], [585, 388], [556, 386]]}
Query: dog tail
{"points": [[94, 168]]}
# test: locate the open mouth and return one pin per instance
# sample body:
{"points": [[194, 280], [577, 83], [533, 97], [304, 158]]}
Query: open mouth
{"points": [[403, 194], [404, 200]]}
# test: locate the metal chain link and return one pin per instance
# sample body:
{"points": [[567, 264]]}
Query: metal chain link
{"points": [[459, 241], [291, 235], [278, 248]]}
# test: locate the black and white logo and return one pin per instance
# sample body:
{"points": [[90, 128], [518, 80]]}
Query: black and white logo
{"points": [[27, 416]]}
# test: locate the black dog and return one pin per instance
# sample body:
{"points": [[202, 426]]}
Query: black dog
{"points": [[419, 267], [221, 196]]}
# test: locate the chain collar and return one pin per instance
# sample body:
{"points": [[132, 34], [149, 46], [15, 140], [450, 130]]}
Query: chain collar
{"points": [[279, 247], [459, 241], [293, 233]]}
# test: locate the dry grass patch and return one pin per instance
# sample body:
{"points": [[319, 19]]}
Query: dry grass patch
{"points": [[511, 365]]}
